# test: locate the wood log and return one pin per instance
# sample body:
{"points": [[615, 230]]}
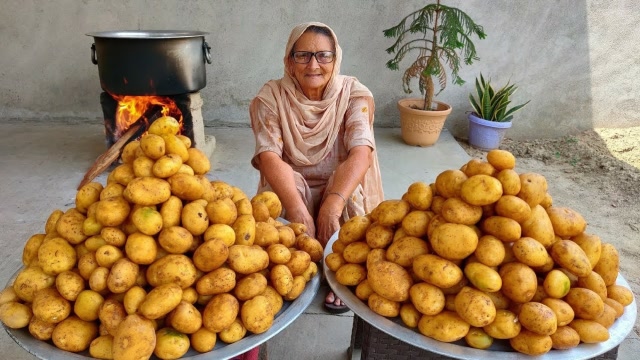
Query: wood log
{"points": [[108, 157]]}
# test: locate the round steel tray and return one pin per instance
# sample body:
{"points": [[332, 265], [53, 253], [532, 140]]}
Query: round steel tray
{"points": [[289, 312], [500, 350]]}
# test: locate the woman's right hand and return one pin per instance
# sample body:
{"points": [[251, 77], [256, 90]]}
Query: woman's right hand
{"points": [[301, 215]]}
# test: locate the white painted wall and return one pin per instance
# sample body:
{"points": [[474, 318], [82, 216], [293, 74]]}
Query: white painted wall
{"points": [[577, 61]]}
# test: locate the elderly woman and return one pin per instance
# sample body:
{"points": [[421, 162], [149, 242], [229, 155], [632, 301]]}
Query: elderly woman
{"points": [[314, 138]]}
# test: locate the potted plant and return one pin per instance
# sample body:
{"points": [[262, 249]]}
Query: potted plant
{"points": [[491, 116], [440, 36]]}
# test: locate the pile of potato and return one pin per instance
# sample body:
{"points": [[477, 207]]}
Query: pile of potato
{"points": [[482, 254], [159, 260]]}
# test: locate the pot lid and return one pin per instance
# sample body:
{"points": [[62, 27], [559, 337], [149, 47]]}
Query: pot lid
{"points": [[147, 34]]}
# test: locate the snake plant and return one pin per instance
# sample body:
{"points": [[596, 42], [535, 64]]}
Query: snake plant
{"points": [[493, 105], [440, 35]]}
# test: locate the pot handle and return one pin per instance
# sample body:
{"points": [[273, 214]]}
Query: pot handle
{"points": [[207, 52], [93, 54]]}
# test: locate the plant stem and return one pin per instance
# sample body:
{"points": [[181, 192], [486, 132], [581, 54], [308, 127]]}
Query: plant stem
{"points": [[429, 88]]}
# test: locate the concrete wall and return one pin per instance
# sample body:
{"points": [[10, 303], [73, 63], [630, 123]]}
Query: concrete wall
{"points": [[577, 61]]}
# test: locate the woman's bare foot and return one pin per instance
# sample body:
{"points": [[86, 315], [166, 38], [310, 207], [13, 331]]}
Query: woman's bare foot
{"points": [[333, 304]]}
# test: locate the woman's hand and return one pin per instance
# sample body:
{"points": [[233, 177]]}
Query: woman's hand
{"points": [[329, 219], [301, 215]]}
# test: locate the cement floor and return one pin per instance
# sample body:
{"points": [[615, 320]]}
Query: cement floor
{"points": [[42, 164]]}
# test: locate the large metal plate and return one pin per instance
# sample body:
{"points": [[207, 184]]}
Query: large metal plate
{"points": [[147, 34], [500, 350], [289, 312]]}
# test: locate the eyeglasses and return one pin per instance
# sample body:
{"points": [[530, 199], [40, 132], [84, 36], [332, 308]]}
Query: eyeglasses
{"points": [[322, 57]]}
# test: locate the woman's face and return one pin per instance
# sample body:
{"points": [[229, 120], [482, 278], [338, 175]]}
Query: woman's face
{"points": [[313, 77]]}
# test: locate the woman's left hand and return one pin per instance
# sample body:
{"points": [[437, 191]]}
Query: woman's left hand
{"points": [[328, 221]]}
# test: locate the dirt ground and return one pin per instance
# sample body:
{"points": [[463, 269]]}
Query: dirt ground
{"points": [[596, 173]]}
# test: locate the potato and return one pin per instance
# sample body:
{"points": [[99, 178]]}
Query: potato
{"points": [[171, 344], [480, 190], [354, 229], [41, 330], [585, 303], [379, 237], [501, 159], [122, 276], [389, 280], [246, 259], [565, 338], [133, 298], [222, 211], [519, 281], [409, 315], [220, 312], [566, 222], [160, 301], [390, 212], [256, 315], [203, 340], [87, 195], [449, 182], [135, 338], [383, 306], [287, 236], [419, 195], [538, 318], [556, 284], [483, 277], [29, 280], [141, 249], [447, 326], [426, 298], [513, 207], [404, 250], [245, 229], [122, 174], [164, 125], [539, 227], [311, 271], [436, 204], [510, 181], [210, 255], [194, 218], [15, 315], [500, 300], [111, 314], [334, 261], [174, 145], [30, 250], [608, 316], [70, 225], [504, 228], [49, 306], [620, 294], [73, 334], [475, 307], [350, 274], [280, 254], [530, 343], [198, 161], [142, 166], [594, 282], [592, 246], [570, 256], [56, 256], [147, 191], [619, 308], [176, 268], [107, 255], [363, 290], [490, 250], [153, 146], [504, 326], [299, 262], [477, 166], [185, 186], [249, 287], [282, 279], [533, 188], [454, 241], [530, 252], [436, 270], [176, 240], [311, 246], [609, 264], [590, 331], [455, 210], [113, 236], [235, 332], [218, 281], [272, 201]]}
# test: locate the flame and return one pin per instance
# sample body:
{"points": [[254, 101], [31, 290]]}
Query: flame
{"points": [[132, 108]]}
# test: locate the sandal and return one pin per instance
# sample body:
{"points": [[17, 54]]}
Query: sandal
{"points": [[331, 307]]}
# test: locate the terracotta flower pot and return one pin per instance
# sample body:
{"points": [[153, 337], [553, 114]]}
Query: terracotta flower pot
{"points": [[421, 127]]}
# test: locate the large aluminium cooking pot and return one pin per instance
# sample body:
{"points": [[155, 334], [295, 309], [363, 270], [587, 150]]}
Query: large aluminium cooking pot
{"points": [[151, 62]]}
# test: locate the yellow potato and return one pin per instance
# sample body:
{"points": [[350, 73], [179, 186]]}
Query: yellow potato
{"points": [[164, 125], [171, 344], [483, 277], [538, 318], [311, 271], [594, 282], [585, 303], [147, 191], [15, 315], [504, 228], [153, 146], [449, 182], [166, 166], [56, 256], [41, 330], [255, 314], [570, 256], [185, 186], [565, 338], [351, 274], [608, 316], [176, 268], [475, 307], [142, 166], [447, 326], [519, 281], [409, 315], [426, 298], [185, 318], [111, 314], [454, 241], [490, 250], [556, 284], [250, 286], [287, 236], [566, 222], [436, 270], [87, 195], [539, 226], [218, 281], [70, 227], [530, 343], [533, 188], [501, 159], [364, 290], [299, 262], [456, 210], [311, 246], [299, 283], [389, 280], [481, 190], [210, 255], [477, 166], [122, 174], [390, 212], [419, 195], [198, 161], [73, 334], [29, 280], [504, 326], [280, 254], [123, 275], [591, 245], [404, 250], [620, 294], [530, 251], [246, 259], [141, 249], [129, 151], [608, 265], [203, 340], [233, 333], [510, 181], [378, 236], [245, 229], [383, 306], [173, 145], [513, 207], [619, 308], [133, 298], [282, 279], [354, 229], [333, 261], [272, 201], [590, 331], [135, 338]]}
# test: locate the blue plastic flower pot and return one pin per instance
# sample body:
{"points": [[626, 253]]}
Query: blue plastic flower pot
{"points": [[484, 134]]}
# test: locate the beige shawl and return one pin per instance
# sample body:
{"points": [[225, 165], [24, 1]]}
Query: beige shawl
{"points": [[310, 128]]}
